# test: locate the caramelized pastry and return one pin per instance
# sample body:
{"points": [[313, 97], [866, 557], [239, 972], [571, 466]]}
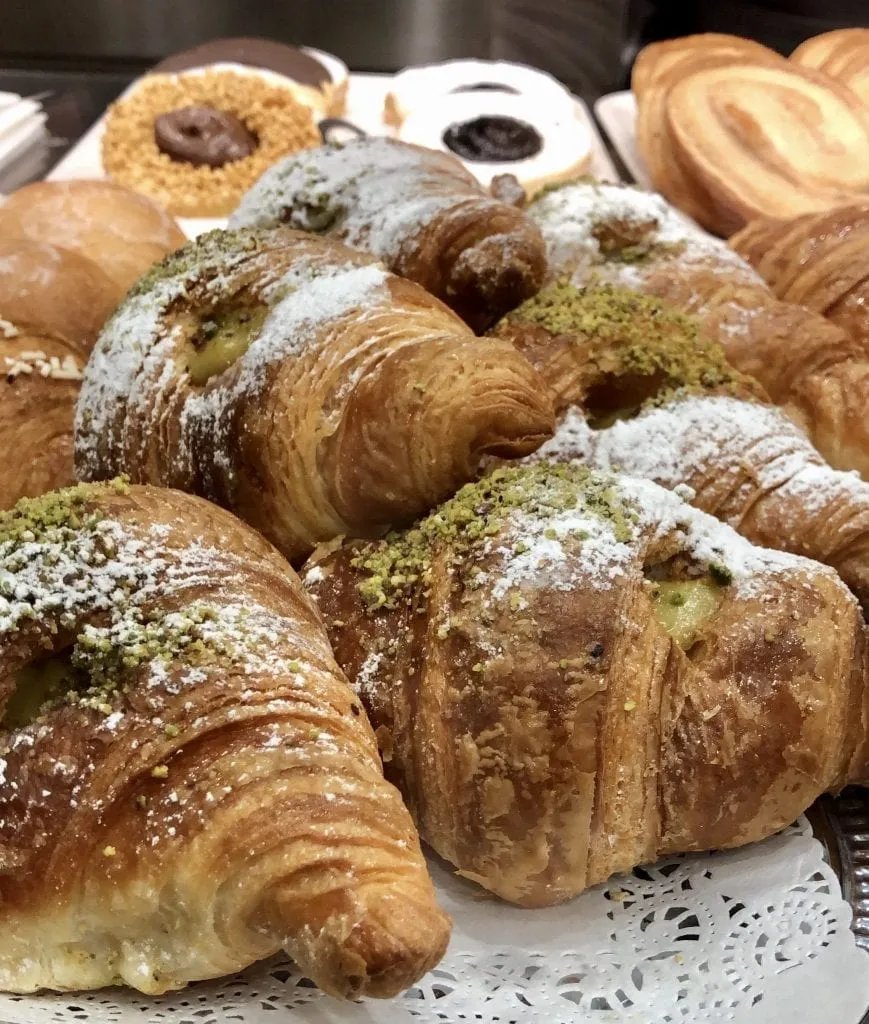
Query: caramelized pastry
{"points": [[187, 783]]}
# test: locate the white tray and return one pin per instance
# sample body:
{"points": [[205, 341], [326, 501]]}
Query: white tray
{"points": [[365, 96], [617, 114]]}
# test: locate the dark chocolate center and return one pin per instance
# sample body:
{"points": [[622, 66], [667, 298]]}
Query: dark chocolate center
{"points": [[203, 136], [486, 87], [493, 138]]}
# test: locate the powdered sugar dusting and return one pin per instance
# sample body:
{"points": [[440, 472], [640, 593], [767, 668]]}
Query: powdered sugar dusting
{"points": [[136, 360], [373, 193], [568, 215]]}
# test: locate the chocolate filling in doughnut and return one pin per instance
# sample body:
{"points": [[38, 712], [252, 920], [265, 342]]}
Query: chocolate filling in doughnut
{"points": [[486, 87], [203, 136], [493, 138]]}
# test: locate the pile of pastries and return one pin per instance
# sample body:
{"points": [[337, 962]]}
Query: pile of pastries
{"points": [[729, 130], [203, 125], [580, 515]]}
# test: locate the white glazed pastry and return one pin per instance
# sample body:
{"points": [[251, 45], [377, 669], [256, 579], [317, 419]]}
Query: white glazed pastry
{"points": [[418, 89], [496, 133]]}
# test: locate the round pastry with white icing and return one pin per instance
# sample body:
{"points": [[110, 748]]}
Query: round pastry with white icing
{"points": [[416, 88], [498, 133]]}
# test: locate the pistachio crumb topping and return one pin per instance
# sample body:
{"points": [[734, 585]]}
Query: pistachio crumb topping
{"points": [[33, 519], [626, 333], [464, 526]]}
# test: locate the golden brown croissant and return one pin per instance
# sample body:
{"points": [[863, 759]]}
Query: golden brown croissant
{"points": [[418, 210], [573, 673], [807, 365], [644, 392], [187, 783], [818, 260], [842, 54], [301, 385], [52, 305]]}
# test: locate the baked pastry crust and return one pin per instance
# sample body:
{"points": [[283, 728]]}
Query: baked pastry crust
{"points": [[819, 260], [549, 720], [643, 391], [196, 786], [843, 54], [811, 368], [768, 140], [120, 230], [418, 210], [298, 383], [52, 305]]}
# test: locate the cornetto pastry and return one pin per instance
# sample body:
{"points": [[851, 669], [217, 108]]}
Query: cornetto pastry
{"points": [[820, 260], [843, 54], [120, 230], [644, 391], [418, 210], [299, 384], [815, 371], [425, 86], [657, 69], [742, 132], [188, 783], [572, 673], [196, 141], [495, 133], [52, 305], [319, 80]]}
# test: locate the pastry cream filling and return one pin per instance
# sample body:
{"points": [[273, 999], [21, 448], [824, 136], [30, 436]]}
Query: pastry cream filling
{"points": [[35, 685], [683, 607], [221, 340]]}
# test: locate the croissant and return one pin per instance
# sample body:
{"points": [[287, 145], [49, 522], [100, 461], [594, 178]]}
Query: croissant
{"points": [[52, 305], [573, 673], [300, 385], [187, 783], [644, 392], [418, 210], [818, 260], [818, 374]]}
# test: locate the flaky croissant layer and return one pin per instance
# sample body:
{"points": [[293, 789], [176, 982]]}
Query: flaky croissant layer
{"points": [[573, 673], [188, 784], [302, 386], [418, 210]]}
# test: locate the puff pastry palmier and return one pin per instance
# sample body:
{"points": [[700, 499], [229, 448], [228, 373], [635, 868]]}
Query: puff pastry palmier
{"points": [[815, 371], [657, 62], [768, 140], [418, 210], [187, 783], [566, 671], [52, 305], [644, 391], [301, 385], [843, 54], [657, 70]]}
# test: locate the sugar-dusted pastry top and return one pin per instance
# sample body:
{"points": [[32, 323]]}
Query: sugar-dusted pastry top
{"points": [[330, 186], [616, 229], [136, 343], [562, 527]]}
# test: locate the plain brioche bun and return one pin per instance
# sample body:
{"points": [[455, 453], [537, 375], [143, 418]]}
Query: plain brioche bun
{"points": [[122, 231]]}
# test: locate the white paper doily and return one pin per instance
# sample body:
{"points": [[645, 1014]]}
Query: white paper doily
{"points": [[754, 936]]}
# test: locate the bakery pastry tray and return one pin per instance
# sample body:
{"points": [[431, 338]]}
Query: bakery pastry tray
{"points": [[767, 934], [617, 115], [365, 103]]}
